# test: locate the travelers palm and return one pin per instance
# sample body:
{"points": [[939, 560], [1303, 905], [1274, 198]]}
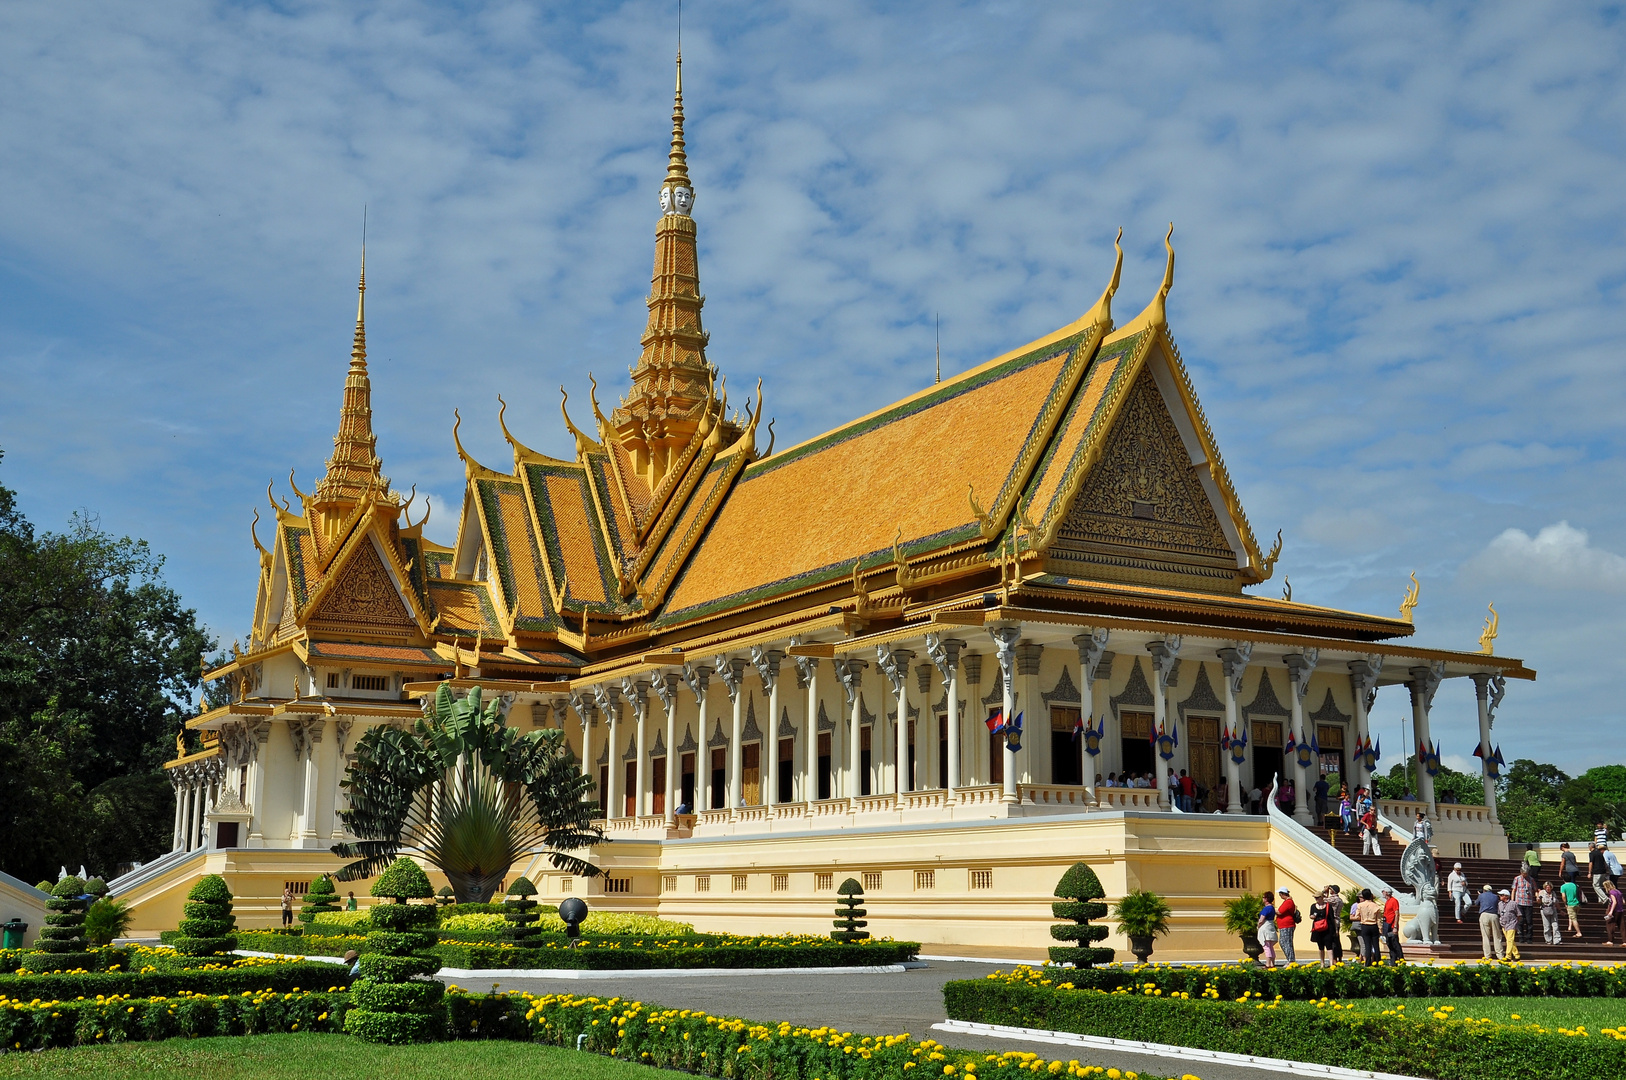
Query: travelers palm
{"points": [[467, 794]]}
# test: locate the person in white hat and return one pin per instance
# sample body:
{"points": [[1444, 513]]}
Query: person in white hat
{"points": [[1507, 914], [1457, 882]]}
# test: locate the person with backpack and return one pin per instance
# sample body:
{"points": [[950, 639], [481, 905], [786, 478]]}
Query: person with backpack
{"points": [[1287, 920]]}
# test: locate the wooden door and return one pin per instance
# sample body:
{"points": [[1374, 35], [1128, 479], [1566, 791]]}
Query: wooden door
{"points": [[657, 794], [719, 778], [1066, 752], [604, 790], [864, 759], [943, 778], [751, 773], [630, 799], [1204, 751], [1136, 729]]}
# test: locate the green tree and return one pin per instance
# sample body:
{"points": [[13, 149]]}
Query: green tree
{"points": [[467, 794], [99, 664]]}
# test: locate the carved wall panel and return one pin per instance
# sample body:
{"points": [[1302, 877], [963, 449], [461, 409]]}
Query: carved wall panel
{"points": [[365, 597]]}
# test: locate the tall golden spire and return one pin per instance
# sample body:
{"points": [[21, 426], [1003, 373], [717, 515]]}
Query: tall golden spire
{"points": [[354, 466], [672, 397]]}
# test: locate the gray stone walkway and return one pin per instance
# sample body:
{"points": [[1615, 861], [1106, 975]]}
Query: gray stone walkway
{"points": [[866, 1004]]}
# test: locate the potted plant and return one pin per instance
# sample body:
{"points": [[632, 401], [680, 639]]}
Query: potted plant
{"points": [[1242, 919], [1142, 916]]}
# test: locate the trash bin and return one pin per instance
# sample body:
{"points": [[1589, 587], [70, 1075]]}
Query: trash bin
{"points": [[11, 934]]}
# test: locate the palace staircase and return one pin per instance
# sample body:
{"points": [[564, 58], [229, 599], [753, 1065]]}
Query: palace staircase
{"points": [[1463, 939]]}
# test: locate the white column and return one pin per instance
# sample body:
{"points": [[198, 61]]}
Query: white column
{"points": [[638, 693], [945, 656], [1299, 668], [1489, 689], [807, 672], [851, 673], [176, 836], [976, 767], [1091, 648], [1164, 654], [666, 689], [256, 831], [609, 703], [1234, 662], [699, 680], [926, 733], [732, 672], [313, 738], [766, 662], [1363, 681], [1034, 756], [1424, 681], [894, 664], [1005, 638], [584, 712]]}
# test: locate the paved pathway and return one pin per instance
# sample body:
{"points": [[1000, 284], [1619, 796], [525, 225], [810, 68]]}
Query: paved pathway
{"points": [[867, 1004]]}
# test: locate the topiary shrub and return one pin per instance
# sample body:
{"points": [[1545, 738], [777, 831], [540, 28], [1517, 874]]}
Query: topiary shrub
{"points": [[45, 886], [61, 945], [321, 898], [391, 1004], [1081, 894], [850, 919], [445, 896], [96, 887], [208, 926], [520, 911]]}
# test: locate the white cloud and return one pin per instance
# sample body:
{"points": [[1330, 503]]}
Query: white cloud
{"points": [[1560, 556]]}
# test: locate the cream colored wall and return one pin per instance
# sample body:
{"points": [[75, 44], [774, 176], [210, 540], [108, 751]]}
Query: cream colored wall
{"points": [[20, 900]]}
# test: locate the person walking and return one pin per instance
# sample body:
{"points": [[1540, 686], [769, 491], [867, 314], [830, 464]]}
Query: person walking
{"points": [[1321, 789], [350, 904], [1490, 927], [1547, 900], [1324, 913], [1391, 925], [1365, 919], [1254, 798], [1568, 870], [1458, 884], [1287, 920], [1369, 832], [1422, 829], [1267, 931], [287, 906], [1524, 898], [1346, 810], [1507, 917], [1600, 834], [1570, 893], [1614, 917], [1599, 870]]}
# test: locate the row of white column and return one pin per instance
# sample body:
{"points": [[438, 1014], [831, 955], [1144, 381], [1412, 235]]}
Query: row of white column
{"points": [[193, 801]]}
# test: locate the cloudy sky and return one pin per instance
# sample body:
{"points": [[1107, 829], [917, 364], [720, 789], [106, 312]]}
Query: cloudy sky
{"points": [[1399, 286]]}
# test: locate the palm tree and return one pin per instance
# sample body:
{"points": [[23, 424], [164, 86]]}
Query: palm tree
{"points": [[467, 794]]}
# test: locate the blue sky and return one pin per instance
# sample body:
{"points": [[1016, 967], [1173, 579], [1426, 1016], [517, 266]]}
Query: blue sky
{"points": [[1399, 286]]}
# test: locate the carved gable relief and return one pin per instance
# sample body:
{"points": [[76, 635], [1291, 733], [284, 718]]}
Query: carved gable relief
{"points": [[364, 596], [1142, 509]]}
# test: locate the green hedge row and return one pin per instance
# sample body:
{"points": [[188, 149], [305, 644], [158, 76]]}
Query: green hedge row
{"points": [[1308, 982], [1445, 1050], [129, 1019], [282, 978], [13, 960]]}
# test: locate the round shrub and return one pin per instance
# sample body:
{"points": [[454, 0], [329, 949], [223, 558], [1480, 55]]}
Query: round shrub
{"points": [[61, 945], [396, 997], [403, 881], [520, 911], [209, 922]]}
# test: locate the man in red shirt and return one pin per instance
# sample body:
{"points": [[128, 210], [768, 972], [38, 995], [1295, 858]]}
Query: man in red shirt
{"points": [[1287, 918], [1391, 926]]}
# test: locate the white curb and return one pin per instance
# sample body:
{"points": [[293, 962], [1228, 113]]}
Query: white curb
{"points": [[656, 973], [1186, 1053]]}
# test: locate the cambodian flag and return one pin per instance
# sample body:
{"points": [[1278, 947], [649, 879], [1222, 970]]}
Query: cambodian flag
{"points": [[996, 722]]}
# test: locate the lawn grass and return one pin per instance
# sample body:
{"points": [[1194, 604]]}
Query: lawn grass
{"points": [[300, 1057], [1552, 1012]]}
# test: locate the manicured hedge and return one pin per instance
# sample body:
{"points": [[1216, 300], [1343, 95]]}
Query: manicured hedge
{"points": [[1309, 982], [282, 978], [1447, 1050], [50, 1023]]}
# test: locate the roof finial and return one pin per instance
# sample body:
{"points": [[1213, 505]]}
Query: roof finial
{"points": [[358, 350], [939, 347], [677, 193], [1156, 315]]}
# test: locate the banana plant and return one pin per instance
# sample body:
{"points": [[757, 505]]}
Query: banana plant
{"points": [[467, 794]]}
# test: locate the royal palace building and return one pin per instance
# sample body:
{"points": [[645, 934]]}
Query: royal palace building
{"points": [[784, 667]]}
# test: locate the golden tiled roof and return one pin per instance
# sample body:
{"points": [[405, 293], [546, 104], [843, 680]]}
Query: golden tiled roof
{"points": [[565, 509], [464, 608]]}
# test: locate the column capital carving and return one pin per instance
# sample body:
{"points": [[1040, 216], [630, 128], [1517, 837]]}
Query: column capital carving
{"points": [[665, 687], [766, 661], [732, 671], [1164, 655], [1425, 680], [1091, 648], [850, 671], [637, 692], [1234, 662], [944, 653], [1363, 678], [1005, 638], [1300, 666], [1028, 656], [697, 677], [608, 697], [582, 706], [894, 664], [1490, 689]]}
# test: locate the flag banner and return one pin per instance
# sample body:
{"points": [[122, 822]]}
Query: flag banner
{"points": [[1479, 750], [996, 722], [1165, 744], [1093, 737]]}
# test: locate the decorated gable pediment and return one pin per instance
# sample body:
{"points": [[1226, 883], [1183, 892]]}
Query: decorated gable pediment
{"points": [[364, 598]]}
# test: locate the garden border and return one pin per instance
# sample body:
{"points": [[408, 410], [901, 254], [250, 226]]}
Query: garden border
{"points": [[663, 973], [1218, 1057]]}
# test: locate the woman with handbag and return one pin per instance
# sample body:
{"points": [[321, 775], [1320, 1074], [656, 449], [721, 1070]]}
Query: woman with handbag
{"points": [[1324, 919], [1267, 931]]}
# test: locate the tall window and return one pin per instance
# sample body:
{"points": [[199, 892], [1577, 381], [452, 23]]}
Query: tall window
{"points": [[1066, 766]]}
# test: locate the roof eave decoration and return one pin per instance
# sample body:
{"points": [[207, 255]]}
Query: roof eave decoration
{"points": [[523, 455], [1155, 314], [471, 469], [584, 443]]}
